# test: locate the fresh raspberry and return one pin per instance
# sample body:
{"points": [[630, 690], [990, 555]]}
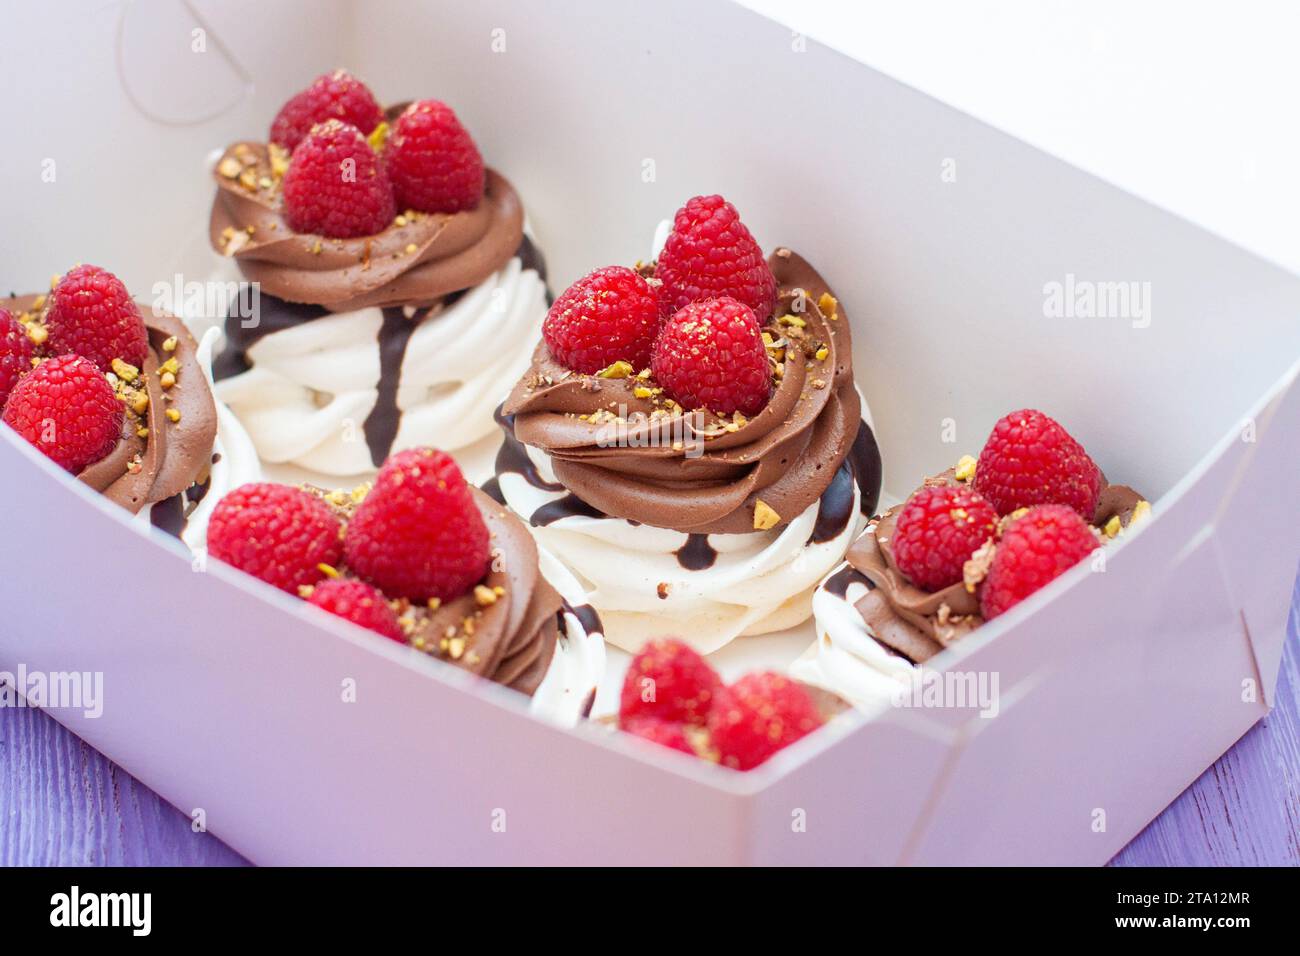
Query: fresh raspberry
{"points": [[1036, 548], [432, 160], [605, 316], [419, 534], [937, 531], [335, 185], [359, 603], [92, 315], [710, 253], [277, 533], [67, 409], [1029, 460], [758, 715], [670, 681], [16, 351], [664, 732], [711, 355], [338, 95]]}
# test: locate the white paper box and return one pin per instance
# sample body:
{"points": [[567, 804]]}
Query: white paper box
{"points": [[1117, 689]]}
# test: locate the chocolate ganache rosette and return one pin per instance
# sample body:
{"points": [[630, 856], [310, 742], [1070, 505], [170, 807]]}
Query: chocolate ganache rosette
{"points": [[119, 393], [697, 466], [426, 560], [398, 287], [965, 547]]}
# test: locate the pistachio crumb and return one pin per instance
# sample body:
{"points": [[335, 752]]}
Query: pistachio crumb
{"points": [[619, 369], [173, 415], [765, 516], [169, 344], [328, 570], [965, 470], [484, 596]]}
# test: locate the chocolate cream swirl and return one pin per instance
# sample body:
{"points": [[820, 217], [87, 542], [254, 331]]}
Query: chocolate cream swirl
{"points": [[917, 624], [171, 456], [510, 641], [416, 261], [647, 461]]}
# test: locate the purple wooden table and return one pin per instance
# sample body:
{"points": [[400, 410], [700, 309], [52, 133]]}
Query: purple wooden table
{"points": [[63, 803]]}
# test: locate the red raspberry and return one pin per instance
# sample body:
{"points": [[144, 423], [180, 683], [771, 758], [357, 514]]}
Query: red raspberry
{"points": [[359, 603], [338, 95], [335, 185], [711, 355], [937, 531], [419, 533], [607, 315], [432, 160], [1035, 549], [710, 253], [92, 315], [1030, 459], [669, 681], [67, 409], [277, 533], [663, 732], [16, 351], [758, 715]]}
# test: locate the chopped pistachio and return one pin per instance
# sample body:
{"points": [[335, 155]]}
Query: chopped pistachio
{"points": [[173, 415], [328, 570], [965, 468], [1112, 527], [229, 167], [484, 596], [169, 344], [37, 333], [764, 516], [167, 380], [619, 369], [378, 136]]}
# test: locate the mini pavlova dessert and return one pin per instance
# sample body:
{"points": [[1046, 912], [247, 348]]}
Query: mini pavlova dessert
{"points": [[120, 395], [967, 546], [424, 559], [689, 441], [398, 289]]}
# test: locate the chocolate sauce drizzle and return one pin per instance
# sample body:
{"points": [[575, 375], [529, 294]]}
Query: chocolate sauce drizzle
{"points": [[277, 315], [512, 458], [861, 466], [839, 582], [696, 554], [380, 426], [172, 515]]}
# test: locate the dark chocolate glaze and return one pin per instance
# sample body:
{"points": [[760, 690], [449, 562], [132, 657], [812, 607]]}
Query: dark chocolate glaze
{"points": [[697, 554]]}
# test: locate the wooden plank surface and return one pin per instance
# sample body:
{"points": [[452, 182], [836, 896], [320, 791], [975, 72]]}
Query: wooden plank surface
{"points": [[64, 803]]}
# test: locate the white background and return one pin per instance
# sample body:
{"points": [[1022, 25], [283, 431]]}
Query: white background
{"points": [[1192, 106]]}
